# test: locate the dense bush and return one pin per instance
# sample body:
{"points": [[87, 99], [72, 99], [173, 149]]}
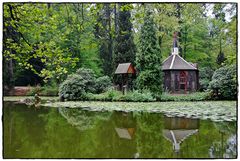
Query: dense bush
{"points": [[89, 78], [197, 96], [73, 88], [102, 84], [77, 85], [224, 83], [205, 76]]}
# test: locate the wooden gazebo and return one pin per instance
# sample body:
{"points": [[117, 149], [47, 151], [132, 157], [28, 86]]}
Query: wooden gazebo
{"points": [[180, 76], [127, 72]]}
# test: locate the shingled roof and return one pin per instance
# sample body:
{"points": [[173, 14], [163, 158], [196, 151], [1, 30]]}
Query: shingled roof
{"points": [[124, 68], [176, 62]]}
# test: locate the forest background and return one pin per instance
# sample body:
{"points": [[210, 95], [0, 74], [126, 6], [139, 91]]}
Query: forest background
{"points": [[43, 43]]}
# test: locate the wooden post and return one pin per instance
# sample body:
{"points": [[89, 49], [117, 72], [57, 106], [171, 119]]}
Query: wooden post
{"points": [[122, 84]]}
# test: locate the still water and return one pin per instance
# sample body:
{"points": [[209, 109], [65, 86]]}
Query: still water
{"points": [[75, 133]]}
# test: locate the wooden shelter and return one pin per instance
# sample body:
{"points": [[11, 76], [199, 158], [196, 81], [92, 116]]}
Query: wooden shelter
{"points": [[127, 72], [176, 130], [180, 76]]}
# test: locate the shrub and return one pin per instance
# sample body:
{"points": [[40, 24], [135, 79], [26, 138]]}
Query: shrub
{"points": [[109, 95], [77, 85], [205, 76], [224, 83], [73, 88], [89, 77], [34, 90], [136, 96], [113, 95], [197, 96], [49, 91], [102, 84], [150, 80]]}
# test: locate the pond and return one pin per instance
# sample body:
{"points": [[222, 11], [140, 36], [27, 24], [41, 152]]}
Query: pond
{"points": [[76, 133]]}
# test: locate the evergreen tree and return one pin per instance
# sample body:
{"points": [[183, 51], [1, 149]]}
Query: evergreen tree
{"points": [[148, 59], [124, 46]]}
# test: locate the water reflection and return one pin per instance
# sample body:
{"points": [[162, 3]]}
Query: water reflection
{"points": [[81, 119], [227, 146], [75, 133], [176, 130], [125, 125]]}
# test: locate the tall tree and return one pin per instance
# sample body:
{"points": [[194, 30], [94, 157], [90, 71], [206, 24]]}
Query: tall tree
{"points": [[218, 11], [124, 50], [104, 34], [148, 58]]}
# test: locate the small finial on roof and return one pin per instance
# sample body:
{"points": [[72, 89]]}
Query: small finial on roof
{"points": [[175, 45]]}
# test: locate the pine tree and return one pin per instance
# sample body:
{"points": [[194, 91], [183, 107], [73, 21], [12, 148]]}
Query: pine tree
{"points": [[148, 59], [125, 49]]}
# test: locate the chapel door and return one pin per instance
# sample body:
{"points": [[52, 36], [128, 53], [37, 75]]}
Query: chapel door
{"points": [[183, 81]]}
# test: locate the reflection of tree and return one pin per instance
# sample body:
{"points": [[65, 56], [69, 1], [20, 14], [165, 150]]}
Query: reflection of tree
{"points": [[150, 141], [82, 119], [199, 146], [227, 147], [23, 131]]}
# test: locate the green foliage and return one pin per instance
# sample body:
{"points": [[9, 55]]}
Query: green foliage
{"points": [[113, 95], [34, 90], [148, 58], [224, 83], [136, 96], [103, 32], [197, 96], [205, 76], [54, 40], [77, 85], [59, 36], [125, 48], [89, 78], [102, 84], [109, 95], [47, 90], [73, 87]]}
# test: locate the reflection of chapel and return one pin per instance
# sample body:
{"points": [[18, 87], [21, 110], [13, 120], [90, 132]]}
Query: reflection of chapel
{"points": [[176, 130], [180, 76]]}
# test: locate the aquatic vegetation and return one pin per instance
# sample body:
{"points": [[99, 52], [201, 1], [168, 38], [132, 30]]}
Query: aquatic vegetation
{"points": [[18, 98], [213, 110]]}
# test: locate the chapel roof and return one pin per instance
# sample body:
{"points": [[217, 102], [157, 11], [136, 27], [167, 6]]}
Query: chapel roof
{"points": [[176, 62]]}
